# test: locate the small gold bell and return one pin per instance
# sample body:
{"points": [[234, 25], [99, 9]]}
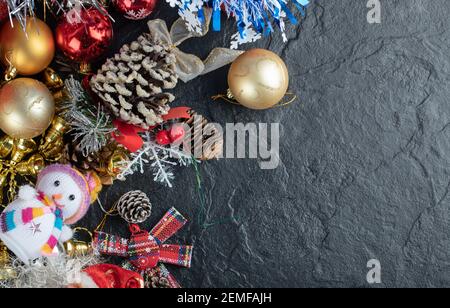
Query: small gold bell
{"points": [[6, 146], [55, 84], [56, 132], [54, 150], [75, 248], [21, 148], [33, 166], [52, 80]]}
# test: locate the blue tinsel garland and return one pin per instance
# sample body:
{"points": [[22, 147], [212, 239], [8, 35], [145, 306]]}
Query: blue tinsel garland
{"points": [[254, 17]]}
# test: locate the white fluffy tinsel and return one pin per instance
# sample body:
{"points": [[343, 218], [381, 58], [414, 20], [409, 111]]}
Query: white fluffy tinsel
{"points": [[55, 272]]}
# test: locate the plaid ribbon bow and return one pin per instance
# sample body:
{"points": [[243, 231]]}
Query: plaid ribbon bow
{"points": [[146, 250]]}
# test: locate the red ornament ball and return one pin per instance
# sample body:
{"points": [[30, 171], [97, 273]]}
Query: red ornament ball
{"points": [[135, 9], [84, 34], [3, 10]]}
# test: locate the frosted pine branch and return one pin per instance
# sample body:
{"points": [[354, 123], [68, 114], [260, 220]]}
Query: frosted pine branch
{"points": [[90, 125]]}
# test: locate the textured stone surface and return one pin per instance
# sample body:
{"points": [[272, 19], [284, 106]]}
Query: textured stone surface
{"points": [[365, 168]]}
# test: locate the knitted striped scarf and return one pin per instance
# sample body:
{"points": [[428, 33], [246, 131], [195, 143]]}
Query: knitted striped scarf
{"points": [[10, 220]]}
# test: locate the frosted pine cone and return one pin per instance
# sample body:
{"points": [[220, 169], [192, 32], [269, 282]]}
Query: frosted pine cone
{"points": [[131, 83], [134, 207]]}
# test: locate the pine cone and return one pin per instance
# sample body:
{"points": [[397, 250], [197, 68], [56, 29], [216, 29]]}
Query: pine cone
{"points": [[211, 143], [134, 207], [131, 83], [154, 279], [99, 162]]}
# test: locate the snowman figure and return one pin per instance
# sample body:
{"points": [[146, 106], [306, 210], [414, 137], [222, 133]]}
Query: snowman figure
{"points": [[33, 224]]}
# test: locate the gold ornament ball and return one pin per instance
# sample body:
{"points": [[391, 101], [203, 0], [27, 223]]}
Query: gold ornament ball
{"points": [[27, 108], [29, 53], [258, 79]]}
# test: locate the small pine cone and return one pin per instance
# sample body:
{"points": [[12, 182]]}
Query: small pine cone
{"points": [[132, 83], [154, 279], [99, 162], [134, 207], [75, 157], [205, 135]]}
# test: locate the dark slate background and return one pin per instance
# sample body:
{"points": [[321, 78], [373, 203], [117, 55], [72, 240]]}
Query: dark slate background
{"points": [[365, 169]]}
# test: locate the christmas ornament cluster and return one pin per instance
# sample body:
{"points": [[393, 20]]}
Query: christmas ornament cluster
{"points": [[68, 130]]}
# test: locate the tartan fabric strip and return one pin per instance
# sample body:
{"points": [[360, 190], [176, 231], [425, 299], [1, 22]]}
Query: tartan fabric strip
{"points": [[105, 243], [143, 250], [144, 245], [171, 222], [176, 254]]}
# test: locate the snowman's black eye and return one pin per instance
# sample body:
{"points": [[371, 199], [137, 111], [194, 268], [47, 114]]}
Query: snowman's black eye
{"points": [[72, 197], [57, 183]]}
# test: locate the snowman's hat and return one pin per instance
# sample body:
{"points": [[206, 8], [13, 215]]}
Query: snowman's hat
{"points": [[89, 184]]}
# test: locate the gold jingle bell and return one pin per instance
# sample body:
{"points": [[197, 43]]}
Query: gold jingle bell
{"points": [[6, 146], [54, 151], [33, 166], [77, 248], [52, 80], [54, 83], [22, 147], [55, 133]]}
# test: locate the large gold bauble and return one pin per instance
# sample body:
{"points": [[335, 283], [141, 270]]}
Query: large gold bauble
{"points": [[26, 108], [28, 52], [258, 79]]}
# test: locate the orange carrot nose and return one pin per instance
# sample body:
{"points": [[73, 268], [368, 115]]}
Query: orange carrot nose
{"points": [[56, 197]]}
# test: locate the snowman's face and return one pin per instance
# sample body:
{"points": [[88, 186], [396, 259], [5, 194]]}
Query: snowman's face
{"points": [[63, 190]]}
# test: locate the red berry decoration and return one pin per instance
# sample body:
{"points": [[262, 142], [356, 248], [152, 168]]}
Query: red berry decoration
{"points": [[176, 133], [83, 34], [135, 9], [162, 137]]}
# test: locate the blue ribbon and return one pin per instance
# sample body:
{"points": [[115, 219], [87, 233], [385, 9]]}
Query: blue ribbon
{"points": [[216, 15]]}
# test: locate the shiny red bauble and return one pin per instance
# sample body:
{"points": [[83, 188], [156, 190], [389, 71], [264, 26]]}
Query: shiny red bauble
{"points": [[135, 9], [84, 34]]}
